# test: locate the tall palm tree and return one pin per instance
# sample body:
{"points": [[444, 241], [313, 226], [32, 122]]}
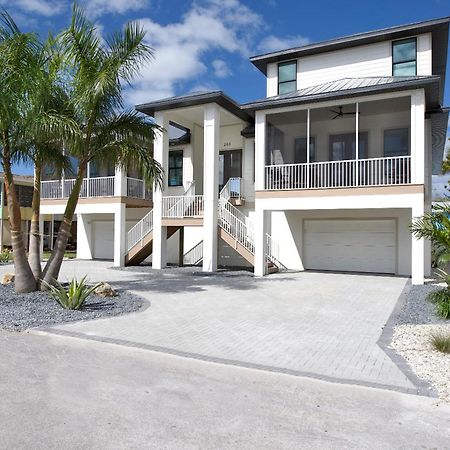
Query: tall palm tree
{"points": [[18, 65], [106, 132], [44, 138]]}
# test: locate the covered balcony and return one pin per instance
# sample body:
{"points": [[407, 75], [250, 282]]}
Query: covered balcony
{"points": [[340, 146]]}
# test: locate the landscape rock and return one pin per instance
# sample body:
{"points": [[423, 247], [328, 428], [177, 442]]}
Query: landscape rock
{"points": [[105, 290], [7, 278]]}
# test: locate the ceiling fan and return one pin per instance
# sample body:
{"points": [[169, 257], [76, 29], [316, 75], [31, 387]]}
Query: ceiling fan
{"points": [[341, 113]]}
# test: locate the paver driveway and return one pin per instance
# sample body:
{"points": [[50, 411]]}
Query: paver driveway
{"points": [[320, 324]]}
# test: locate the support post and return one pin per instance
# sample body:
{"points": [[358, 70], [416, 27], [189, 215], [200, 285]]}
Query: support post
{"points": [[2, 201], [161, 154], [181, 247], [417, 248], [418, 137], [357, 145], [260, 243], [41, 234], [119, 235], [260, 151], [308, 139], [210, 186], [120, 183], [84, 237], [52, 232]]}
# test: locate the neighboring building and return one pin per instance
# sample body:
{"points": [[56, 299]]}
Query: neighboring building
{"points": [[325, 173], [24, 191]]}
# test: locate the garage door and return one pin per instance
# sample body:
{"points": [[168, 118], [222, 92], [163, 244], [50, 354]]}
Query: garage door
{"points": [[103, 234], [350, 245]]}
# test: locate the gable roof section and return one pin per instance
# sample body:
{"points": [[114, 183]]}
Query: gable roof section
{"points": [[195, 99], [348, 87]]}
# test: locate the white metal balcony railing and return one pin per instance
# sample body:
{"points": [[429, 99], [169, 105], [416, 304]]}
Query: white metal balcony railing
{"points": [[182, 206], [137, 188], [93, 187], [232, 188], [334, 174]]}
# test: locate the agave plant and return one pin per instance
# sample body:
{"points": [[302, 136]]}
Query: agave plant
{"points": [[74, 296]]}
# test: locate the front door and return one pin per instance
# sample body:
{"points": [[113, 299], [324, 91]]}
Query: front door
{"points": [[230, 166]]}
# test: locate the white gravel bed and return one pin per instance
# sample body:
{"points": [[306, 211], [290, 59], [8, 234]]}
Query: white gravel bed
{"points": [[19, 312], [415, 324]]}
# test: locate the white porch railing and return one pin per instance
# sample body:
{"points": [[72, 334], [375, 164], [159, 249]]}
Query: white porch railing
{"points": [[232, 188], [182, 206], [194, 255], [334, 174], [91, 187], [140, 230], [136, 188]]}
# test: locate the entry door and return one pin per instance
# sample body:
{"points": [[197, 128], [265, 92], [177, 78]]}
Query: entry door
{"points": [[230, 166], [350, 245]]}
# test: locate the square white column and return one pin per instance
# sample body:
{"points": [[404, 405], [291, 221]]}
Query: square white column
{"points": [[260, 242], [210, 186], [120, 183], [41, 234], [260, 150], [417, 249], [119, 235], [161, 155], [418, 137], [84, 237]]}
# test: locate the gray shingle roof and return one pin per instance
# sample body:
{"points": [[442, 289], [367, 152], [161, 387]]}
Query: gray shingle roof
{"points": [[343, 87]]}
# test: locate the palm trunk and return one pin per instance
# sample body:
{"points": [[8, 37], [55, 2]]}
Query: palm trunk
{"points": [[53, 266], [34, 251], [24, 280]]}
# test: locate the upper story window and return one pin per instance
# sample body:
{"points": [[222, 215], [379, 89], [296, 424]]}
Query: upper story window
{"points": [[176, 168], [396, 142], [287, 77], [404, 57]]}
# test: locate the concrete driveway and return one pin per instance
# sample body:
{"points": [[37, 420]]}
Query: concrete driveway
{"points": [[321, 325]]}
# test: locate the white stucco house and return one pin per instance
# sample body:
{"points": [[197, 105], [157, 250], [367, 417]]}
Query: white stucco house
{"points": [[324, 173]]}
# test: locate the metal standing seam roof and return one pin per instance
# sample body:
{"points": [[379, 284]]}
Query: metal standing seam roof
{"points": [[344, 87]]}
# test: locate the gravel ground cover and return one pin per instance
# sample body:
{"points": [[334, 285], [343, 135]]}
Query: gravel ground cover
{"points": [[415, 324], [19, 312]]}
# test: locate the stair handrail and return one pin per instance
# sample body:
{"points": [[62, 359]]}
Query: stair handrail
{"points": [[194, 255], [182, 205], [139, 231]]}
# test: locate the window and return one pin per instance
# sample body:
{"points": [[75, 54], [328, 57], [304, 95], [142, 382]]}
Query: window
{"points": [[396, 142], [300, 151], [343, 146], [287, 77], [176, 168], [404, 57]]}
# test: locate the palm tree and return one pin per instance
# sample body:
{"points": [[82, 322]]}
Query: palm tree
{"points": [[18, 65], [44, 138], [106, 132]]}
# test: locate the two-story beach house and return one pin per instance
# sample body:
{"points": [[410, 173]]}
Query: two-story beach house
{"points": [[324, 173]]}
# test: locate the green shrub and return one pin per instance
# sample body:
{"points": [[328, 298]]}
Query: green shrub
{"points": [[441, 300], [74, 296], [441, 342], [5, 256]]}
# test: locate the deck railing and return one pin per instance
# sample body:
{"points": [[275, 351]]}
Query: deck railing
{"points": [[335, 174], [93, 187], [177, 206]]}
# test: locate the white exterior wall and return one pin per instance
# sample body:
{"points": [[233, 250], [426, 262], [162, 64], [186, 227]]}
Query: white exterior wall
{"points": [[287, 229], [362, 61]]}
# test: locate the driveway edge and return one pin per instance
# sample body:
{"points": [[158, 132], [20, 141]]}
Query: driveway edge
{"points": [[424, 388]]}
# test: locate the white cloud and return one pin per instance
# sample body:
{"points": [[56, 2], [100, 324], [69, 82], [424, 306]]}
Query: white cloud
{"points": [[97, 8], [273, 43], [181, 48], [221, 69], [42, 7]]}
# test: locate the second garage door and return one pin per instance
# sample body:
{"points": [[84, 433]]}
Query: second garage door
{"points": [[350, 245]]}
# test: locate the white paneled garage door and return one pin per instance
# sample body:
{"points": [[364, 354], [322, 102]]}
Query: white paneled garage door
{"points": [[103, 237], [350, 245]]}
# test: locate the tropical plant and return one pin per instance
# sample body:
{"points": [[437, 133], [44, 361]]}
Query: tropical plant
{"points": [[5, 256], [435, 226], [106, 133], [18, 67], [441, 297], [441, 342], [74, 296]]}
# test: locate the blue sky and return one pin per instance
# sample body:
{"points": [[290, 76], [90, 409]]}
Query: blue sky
{"points": [[205, 44]]}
